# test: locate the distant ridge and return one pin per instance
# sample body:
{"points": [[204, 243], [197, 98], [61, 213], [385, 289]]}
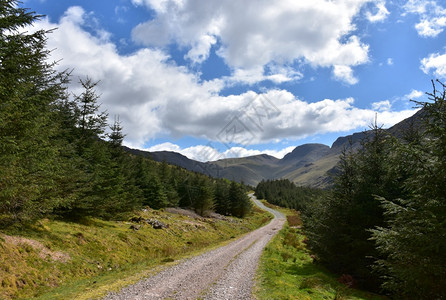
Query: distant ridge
{"points": [[307, 165]]}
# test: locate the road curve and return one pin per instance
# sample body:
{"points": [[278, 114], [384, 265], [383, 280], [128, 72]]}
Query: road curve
{"points": [[224, 273]]}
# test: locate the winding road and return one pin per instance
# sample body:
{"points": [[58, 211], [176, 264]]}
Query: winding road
{"points": [[224, 273]]}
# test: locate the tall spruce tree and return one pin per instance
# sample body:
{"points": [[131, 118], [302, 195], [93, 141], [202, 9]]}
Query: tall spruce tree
{"points": [[29, 87], [338, 226], [413, 242]]}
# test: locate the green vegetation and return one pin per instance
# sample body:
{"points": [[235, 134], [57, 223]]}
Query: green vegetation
{"points": [[288, 271], [412, 244], [337, 225], [384, 224], [58, 156], [285, 193], [67, 188], [55, 259]]}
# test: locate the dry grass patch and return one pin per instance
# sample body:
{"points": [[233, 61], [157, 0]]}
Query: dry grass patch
{"points": [[294, 220]]}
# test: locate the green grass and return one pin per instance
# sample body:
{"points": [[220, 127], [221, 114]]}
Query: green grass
{"points": [[287, 271], [84, 260]]}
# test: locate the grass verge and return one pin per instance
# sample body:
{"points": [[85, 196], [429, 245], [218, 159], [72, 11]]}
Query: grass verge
{"points": [[83, 260], [287, 270]]}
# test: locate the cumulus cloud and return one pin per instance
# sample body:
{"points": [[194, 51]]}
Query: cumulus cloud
{"points": [[344, 73], [380, 13], [414, 94], [153, 96], [432, 16], [382, 105], [251, 34], [207, 152], [139, 87], [435, 62]]}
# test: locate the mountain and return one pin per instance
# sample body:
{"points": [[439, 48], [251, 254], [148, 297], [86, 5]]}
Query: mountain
{"points": [[307, 165]]}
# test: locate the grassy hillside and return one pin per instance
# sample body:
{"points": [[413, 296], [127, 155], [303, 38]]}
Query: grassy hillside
{"points": [[287, 269], [63, 260], [314, 174]]}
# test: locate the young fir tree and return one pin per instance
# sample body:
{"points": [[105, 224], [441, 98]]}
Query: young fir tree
{"points": [[116, 136], [105, 189], [91, 122]]}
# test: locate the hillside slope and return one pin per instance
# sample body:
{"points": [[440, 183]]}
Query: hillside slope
{"points": [[56, 259]]}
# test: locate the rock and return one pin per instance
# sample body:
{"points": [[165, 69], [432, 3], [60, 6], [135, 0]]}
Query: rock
{"points": [[136, 219], [135, 227], [156, 224]]}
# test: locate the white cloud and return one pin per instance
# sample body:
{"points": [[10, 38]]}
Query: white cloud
{"points": [[154, 96], [390, 118], [275, 73], [380, 14], [165, 147], [414, 94], [390, 61], [251, 34], [200, 51], [344, 73], [382, 105], [206, 153], [432, 16], [436, 62]]}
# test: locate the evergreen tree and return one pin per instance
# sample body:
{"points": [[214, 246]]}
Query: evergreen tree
{"points": [[142, 172], [338, 226], [221, 196], [204, 200], [156, 197], [105, 189], [285, 193], [239, 201], [29, 87], [91, 122], [413, 244], [116, 136]]}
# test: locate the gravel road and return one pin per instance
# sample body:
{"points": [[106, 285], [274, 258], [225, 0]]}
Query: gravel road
{"points": [[224, 273]]}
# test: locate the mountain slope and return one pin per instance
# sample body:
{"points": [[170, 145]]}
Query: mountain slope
{"points": [[307, 165]]}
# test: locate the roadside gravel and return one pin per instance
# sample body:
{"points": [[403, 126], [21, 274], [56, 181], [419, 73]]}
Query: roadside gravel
{"points": [[224, 273]]}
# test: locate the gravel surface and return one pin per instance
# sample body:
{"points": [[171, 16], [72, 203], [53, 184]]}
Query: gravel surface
{"points": [[223, 273]]}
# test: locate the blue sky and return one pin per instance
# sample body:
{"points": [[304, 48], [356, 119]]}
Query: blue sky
{"points": [[214, 79]]}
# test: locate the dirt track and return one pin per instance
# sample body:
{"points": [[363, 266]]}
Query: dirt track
{"points": [[224, 273]]}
